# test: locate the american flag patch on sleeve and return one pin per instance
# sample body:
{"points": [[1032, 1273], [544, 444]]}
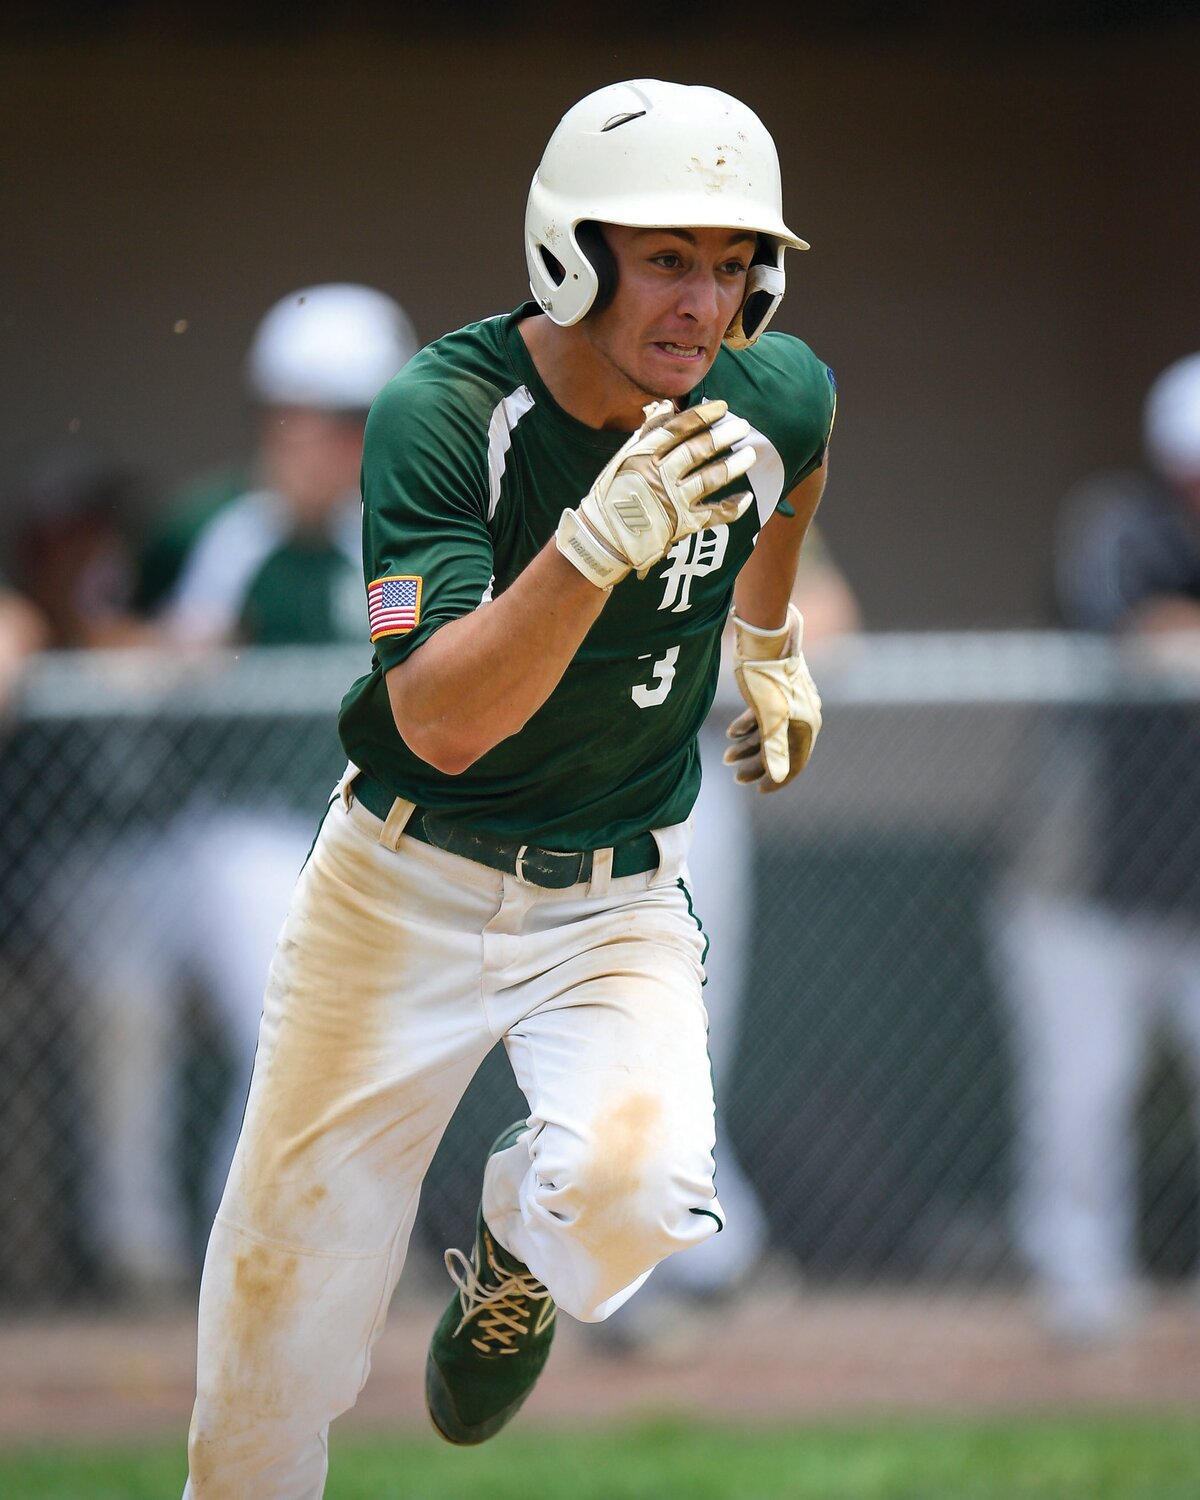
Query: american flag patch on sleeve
{"points": [[394, 605]]}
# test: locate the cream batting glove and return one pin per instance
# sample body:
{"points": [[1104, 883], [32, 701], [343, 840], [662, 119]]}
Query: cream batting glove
{"points": [[657, 489], [773, 739]]}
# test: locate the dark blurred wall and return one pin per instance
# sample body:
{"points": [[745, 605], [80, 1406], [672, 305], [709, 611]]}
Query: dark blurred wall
{"points": [[1003, 229]]}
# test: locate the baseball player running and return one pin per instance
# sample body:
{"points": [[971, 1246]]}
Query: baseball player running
{"points": [[561, 505]]}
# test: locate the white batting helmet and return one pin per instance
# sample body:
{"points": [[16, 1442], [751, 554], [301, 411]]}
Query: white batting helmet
{"points": [[330, 347], [654, 155], [1171, 418]]}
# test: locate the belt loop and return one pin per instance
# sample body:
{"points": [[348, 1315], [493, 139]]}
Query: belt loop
{"points": [[601, 872], [345, 786], [673, 846], [395, 822]]}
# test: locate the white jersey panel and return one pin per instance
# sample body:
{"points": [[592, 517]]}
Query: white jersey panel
{"points": [[203, 607], [500, 434], [766, 476]]}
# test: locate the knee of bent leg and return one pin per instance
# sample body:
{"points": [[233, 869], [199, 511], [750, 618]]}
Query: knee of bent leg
{"points": [[641, 1189]]}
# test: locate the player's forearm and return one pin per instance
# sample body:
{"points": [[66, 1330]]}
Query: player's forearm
{"points": [[764, 586], [479, 679]]}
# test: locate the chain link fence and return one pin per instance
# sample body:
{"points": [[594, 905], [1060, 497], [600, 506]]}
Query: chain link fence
{"points": [[968, 1044]]}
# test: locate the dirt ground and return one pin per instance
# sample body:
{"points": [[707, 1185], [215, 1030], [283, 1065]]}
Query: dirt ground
{"points": [[771, 1358]]}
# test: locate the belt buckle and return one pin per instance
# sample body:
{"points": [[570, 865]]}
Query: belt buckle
{"points": [[556, 869]]}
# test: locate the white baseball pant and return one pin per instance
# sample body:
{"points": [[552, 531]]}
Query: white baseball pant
{"points": [[398, 968], [1086, 986], [721, 878], [197, 900]]}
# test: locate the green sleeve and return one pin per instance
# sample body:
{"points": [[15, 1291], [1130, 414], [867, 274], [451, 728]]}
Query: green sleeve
{"points": [[811, 412], [425, 502]]}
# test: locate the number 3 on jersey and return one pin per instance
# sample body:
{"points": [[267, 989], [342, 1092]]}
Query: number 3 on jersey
{"points": [[646, 695]]}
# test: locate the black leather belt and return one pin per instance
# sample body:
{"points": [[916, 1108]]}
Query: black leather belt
{"points": [[552, 869]]}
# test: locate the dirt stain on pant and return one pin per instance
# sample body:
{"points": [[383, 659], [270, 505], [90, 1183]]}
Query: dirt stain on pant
{"points": [[615, 1224]]}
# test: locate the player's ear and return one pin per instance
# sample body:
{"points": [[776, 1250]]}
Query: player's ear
{"points": [[590, 238]]}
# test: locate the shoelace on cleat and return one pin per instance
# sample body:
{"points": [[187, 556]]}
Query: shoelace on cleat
{"points": [[501, 1311]]}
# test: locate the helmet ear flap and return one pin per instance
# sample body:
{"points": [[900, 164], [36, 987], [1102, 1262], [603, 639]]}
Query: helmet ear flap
{"points": [[765, 283], [590, 239]]}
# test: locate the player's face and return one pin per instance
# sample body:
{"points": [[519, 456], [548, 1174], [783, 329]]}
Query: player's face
{"points": [[678, 290], [312, 458]]}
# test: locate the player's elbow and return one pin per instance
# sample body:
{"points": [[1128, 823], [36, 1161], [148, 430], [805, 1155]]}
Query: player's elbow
{"points": [[448, 735], [444, 749]]}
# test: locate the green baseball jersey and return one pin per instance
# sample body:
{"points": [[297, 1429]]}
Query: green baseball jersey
{"points": [[254, 575], [164, 553], [468, 464]]}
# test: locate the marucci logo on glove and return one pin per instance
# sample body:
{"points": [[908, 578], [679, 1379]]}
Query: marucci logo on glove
{"points": [[394, 605]]}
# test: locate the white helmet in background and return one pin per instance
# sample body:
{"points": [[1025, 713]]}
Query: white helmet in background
{"points": [[654, 155], [1171, 419], [329, 347]]}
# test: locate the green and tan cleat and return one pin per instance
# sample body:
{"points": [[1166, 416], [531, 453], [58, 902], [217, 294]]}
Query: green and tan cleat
{"points": [[492, 1341]]}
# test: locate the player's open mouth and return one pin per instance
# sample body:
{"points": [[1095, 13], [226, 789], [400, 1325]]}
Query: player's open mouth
{"points": [[681, 351]]}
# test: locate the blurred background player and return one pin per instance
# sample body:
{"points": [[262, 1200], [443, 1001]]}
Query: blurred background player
{"points": [[70, 527], [22, 631], [70, 520], [278, 563], [1099, 942]]}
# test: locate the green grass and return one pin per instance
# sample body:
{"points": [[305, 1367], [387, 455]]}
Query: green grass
{"points": [[1118, 1459]]}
